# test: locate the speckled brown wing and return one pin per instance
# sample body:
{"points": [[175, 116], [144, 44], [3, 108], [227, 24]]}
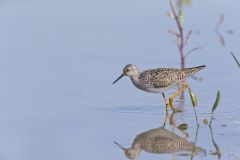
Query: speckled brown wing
{"points": [[186, 72], [158, 78], [165, 77]]}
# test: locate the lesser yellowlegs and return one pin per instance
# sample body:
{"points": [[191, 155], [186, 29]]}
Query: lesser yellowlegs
{"points": [[159, 80], [159, 141]]}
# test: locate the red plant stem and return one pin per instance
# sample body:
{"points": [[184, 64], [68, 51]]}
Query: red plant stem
{"points": [[180, 28]]}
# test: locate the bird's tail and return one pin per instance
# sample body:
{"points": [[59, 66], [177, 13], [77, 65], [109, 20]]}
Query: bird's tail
{"points": [[195, 149], [199, 67], [190, 71]]}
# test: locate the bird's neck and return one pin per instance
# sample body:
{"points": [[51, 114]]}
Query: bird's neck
{"points": [[135, 75], [136, 82], [137, 149], [135, 78], [136, 145]]}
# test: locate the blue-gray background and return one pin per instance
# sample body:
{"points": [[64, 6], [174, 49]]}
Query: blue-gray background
{"points": [[59, 58]]}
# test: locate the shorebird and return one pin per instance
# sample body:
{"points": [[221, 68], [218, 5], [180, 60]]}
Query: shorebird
{"points": [[160, 141], [159, 80]]}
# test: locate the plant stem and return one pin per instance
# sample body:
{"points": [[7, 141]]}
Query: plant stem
{"points": [[181, 36]]}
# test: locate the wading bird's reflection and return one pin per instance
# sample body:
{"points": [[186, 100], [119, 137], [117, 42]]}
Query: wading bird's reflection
{"points": [[159, 141]]}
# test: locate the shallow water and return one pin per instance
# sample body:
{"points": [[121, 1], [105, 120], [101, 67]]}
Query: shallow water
{"points": [[59, 58]]}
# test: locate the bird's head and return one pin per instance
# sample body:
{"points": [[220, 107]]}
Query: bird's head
{"points": [[130, 153], [129, 70]]}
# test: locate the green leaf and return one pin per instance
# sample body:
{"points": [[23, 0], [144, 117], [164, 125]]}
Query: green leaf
{"points": [[183, 126], [180, 15], [205, 121], [216, 102], [187, 2], [193, 98], [235, 59]]}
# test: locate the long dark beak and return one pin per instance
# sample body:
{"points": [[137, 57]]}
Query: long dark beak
{"points": [[124, 149], [118, 78]]}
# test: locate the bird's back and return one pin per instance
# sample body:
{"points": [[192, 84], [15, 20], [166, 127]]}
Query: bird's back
{"points": [[166, 77]]}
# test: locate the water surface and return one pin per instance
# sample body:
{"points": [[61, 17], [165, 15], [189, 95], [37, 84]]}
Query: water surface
{"points": [[59, 58]]}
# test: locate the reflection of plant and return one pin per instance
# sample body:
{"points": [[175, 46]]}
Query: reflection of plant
{"points": [[218, 151], [195, 143]]}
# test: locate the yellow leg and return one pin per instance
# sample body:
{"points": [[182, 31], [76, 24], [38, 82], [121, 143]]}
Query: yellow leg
{"points": [[185, 86], [165, 100]]}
